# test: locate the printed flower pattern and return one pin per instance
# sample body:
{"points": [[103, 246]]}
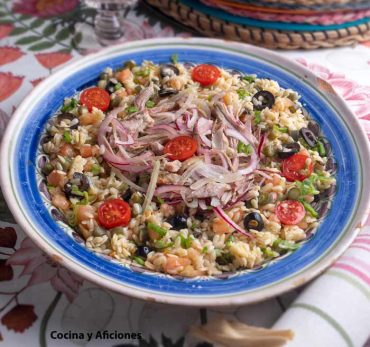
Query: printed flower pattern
{"points": [[5, 30], [52, 60], [357, 97], [8, 235], [9, 54], [9, 84], [6, 271], [45, 8], [42, 269], [36, 81], [19, 318]]}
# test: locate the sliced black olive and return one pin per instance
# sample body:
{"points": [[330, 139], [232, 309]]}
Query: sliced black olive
{"points": [[331, 165], [263, 99], [126, 196], [167, 92], [253, 221], [224, 259], [178, 222], [81, 181], [314, 127], [288, 150], [111, 87], [73, 120], [143, 251], [309, 137], [169, 70], [294, 134], [68, 189]]}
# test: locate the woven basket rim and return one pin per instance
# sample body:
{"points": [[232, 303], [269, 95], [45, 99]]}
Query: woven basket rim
{"points": [[275, 39]]}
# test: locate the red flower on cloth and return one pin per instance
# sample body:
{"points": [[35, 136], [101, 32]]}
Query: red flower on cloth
{"points": [[6, 271], [37, 81], [8, 235], [9, 84], [44, 8], [43, 269], [19, 318], [5, 30], [52, 60], [9, 54]]}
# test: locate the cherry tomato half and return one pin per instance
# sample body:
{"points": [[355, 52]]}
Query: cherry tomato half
{"points": [[114, 213], [95, 97], [290, 212], [295, 168], [181, 148], [205, 74]]}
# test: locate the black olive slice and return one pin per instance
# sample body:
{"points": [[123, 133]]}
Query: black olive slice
{"points": [[167, 92], [169, 70], [309, 137], [178, 222], [263, 99], [73, 120], [288, 150], [253, 221], [314, 127], [143, 251]]}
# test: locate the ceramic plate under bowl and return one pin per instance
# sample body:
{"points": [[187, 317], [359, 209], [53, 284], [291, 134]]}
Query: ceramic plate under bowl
{"points": [[20, 181]]}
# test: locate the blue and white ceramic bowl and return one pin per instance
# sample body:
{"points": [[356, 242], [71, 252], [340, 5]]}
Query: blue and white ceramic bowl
{"points": [[20, 182]]}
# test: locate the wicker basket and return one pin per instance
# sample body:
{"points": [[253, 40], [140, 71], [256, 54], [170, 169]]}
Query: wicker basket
{"points": [[274, 39]]}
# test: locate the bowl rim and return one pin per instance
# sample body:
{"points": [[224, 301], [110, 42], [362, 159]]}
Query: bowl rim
{"points": [[294, 281]]}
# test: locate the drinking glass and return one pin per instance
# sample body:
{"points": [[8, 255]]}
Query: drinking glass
{"points": [[108, 20]]}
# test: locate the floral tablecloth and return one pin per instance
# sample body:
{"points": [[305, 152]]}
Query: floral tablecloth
{"points": [[44, 304]]}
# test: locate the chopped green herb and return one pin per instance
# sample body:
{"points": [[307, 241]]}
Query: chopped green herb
{"points": [[117, 86], [186, 241], [249, 79], [243, 148], [47, 169], [157, 229], [257, 117], [76, 191], [268, 252], [281, 130], [131, 109], [309, 208], [160, 244], [95, 169], [175, 58], [138, 260], [50, 186], [242, 93], [320, 149], [85, 200], [160, 200], [229, 241], [70, 105], [204, 250], [150, 104], [67, 136], [284, 245], [143, 72], [307, 186]]}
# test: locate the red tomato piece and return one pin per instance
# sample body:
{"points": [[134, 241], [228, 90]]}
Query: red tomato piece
{"points": [[114, 213], [290, 212], [181, 148], [205, 74], [296, 168], [95, 97]]}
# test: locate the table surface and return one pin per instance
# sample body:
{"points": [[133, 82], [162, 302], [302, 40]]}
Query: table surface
{"points": [[37, 297]]}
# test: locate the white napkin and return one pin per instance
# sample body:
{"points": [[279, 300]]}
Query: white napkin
{"points": [[334, 311]]}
